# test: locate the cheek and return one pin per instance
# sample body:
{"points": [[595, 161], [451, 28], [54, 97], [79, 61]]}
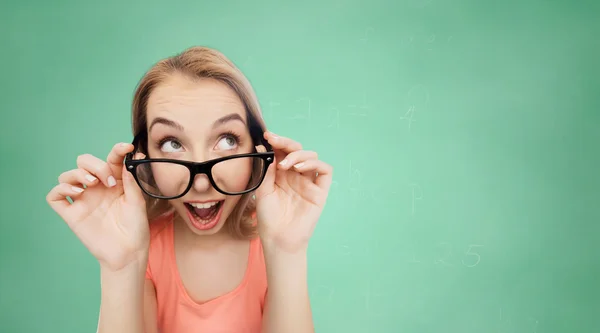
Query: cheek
{"points": [[230, 204], [170, 179], [233, 175]]}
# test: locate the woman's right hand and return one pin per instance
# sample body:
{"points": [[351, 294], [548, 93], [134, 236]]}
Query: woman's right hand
{"points": [[109, 215]]}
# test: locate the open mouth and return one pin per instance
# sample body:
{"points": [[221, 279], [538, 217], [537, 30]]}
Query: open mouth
{"points": [[204, 213]]}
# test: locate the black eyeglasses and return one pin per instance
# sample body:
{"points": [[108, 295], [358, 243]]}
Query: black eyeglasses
{"points": [[170, 179]]}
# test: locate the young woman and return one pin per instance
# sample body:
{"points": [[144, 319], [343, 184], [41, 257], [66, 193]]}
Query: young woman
{"points": [[202, 223]]}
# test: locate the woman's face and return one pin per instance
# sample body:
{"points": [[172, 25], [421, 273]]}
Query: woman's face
{"points": [[199, 121]]}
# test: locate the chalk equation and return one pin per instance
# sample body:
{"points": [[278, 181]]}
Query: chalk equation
{"points": [[445, 254], [426, 41], [305, 111], [354, 188], [306, 101], [362, 109], [508, 323]]}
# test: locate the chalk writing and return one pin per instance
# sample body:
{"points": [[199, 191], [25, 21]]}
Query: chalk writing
{"points": [[369, 294], [334, 121], [446, 253], [474, 257], [343, 249], [307, 111], [362, 109], [418, 95], [245, 63], [430, 42], [334, 184], [417, 194], [413, 258], [534, 324], [365, 36], [409, 115], [355, 180], [431, 38], [329, 290], [327, 117], [417, 98], [271, 108], [508, 323]]}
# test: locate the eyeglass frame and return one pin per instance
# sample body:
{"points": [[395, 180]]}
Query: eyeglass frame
{"points": [[195, 168]]}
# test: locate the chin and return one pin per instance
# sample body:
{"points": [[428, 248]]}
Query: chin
{"points": [[211, 223]]}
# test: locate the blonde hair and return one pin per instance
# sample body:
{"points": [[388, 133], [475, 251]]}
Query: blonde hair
{"points": [[202, 62]]}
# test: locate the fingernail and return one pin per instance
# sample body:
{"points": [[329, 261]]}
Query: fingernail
{"points": [[77, 189], [275, 137], [123, 144], [283, 163], [90, 178], [298, 166], [111, 181]]}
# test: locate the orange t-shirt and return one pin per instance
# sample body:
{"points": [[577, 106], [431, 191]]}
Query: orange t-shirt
{"points": [[239, 310]]}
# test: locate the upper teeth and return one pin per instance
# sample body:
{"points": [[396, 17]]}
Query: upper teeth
{"points": [[204, 205]]}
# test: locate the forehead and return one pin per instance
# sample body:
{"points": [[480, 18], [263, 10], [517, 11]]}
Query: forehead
{"points": [[193, 102]]}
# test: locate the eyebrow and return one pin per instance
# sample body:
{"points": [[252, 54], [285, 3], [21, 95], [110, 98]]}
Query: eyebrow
{"points": [[176, 125], [165, 121], [228, 118]]}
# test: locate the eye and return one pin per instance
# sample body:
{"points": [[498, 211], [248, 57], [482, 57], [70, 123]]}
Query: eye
{"points": [[170, 146], [228, 142]]}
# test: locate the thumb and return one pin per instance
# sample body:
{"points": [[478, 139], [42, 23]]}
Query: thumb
{"points": [[133, 193]]}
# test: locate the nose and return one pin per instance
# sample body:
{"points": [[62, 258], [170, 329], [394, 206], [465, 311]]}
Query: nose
{"points": [[201, 183]]}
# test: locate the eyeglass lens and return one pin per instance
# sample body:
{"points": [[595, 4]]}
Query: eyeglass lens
{"points": [[171, 179]]}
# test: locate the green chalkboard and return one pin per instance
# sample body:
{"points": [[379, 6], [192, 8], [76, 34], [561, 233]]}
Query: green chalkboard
{"points": [[464, 136]]}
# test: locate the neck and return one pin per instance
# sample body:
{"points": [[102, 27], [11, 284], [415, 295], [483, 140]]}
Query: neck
{"points": [[187, 236]]}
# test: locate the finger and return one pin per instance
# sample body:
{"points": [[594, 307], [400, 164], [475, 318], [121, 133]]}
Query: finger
{"points": [[307, 189], [268, 184], [260, 149], [139, 156], [97, 168], [324, 171], [297, 157], [57, 198], [116, 156], [77, 176], [282, 143], [133, 193]]}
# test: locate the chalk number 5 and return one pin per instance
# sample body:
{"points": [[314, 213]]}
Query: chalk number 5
{"points": [[473, 255]]}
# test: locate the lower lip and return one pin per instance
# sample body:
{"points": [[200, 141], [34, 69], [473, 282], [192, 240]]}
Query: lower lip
{"points": [[208, 225]]}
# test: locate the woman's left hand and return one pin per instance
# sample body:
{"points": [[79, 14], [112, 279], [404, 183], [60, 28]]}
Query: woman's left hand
{"points": [[292, 196]]}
